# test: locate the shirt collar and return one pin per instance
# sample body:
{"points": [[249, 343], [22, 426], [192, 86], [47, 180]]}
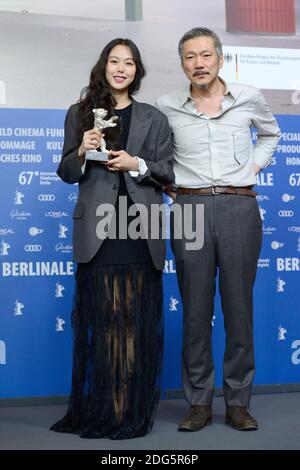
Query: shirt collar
{"points": [[185, 94], [230, 89]]}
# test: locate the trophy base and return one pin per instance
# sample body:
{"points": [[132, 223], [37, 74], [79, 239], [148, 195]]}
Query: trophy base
{"points": [[97, 156]]}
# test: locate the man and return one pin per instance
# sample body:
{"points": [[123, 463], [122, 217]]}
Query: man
{"points": [[215, 165]]}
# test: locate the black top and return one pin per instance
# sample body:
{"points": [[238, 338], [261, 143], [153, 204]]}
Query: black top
{"points": [[117, 251], [124, 116]]}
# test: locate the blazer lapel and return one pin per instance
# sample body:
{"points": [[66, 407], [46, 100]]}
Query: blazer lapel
{"points": [[139, 127]]}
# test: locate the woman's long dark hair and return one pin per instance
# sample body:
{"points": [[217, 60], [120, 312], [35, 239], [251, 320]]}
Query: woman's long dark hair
{"points": [[98, 93]]}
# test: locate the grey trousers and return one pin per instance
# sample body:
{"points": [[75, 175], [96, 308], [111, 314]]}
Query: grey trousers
{"points": [[232, 241]]}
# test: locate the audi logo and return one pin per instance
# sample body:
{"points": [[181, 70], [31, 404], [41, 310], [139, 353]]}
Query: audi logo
{"points": [[46, 197], [286, 213], [33, 248]]}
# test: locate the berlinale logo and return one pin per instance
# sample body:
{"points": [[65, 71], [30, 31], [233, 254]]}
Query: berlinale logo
{"points": [[4, 247], [59, 288], [281, 333], [59, 324], [173, 304]]}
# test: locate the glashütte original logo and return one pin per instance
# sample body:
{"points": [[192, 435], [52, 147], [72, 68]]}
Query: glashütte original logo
{"points": [[20, 215], [73, 197], [61, 248]]}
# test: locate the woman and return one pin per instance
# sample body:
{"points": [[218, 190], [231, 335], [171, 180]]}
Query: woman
{"points": [[117, 314]]}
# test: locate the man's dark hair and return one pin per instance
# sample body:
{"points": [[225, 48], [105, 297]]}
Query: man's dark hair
{"points": [[197, 33]]}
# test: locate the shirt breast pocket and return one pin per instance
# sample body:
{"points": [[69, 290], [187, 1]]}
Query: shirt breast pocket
{"points": [[242, 146]]}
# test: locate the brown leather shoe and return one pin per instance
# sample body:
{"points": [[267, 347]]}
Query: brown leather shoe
{"points": [[196, 418], [239, 418]]}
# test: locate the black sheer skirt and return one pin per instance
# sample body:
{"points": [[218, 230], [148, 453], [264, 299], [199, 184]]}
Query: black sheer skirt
{"points": [[118, 348]]}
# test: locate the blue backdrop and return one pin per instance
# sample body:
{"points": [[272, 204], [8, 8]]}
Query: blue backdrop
{"points": [[36, 271]]}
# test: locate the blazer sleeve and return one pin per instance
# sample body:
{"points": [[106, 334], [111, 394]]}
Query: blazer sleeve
{"points": [[69, 169], [160, 169]]}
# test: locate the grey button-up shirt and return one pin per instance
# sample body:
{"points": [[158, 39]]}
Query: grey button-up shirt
{"points": [[218, 150]]}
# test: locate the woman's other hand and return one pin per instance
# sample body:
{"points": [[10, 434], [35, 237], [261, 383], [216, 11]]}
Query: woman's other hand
{"points": [[122, 161]]}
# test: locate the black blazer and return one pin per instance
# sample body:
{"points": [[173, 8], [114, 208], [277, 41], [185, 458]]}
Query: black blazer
{"points": [[150, 139]]}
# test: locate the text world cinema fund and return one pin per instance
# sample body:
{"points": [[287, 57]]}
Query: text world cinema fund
{"points": [[31, 132]]}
